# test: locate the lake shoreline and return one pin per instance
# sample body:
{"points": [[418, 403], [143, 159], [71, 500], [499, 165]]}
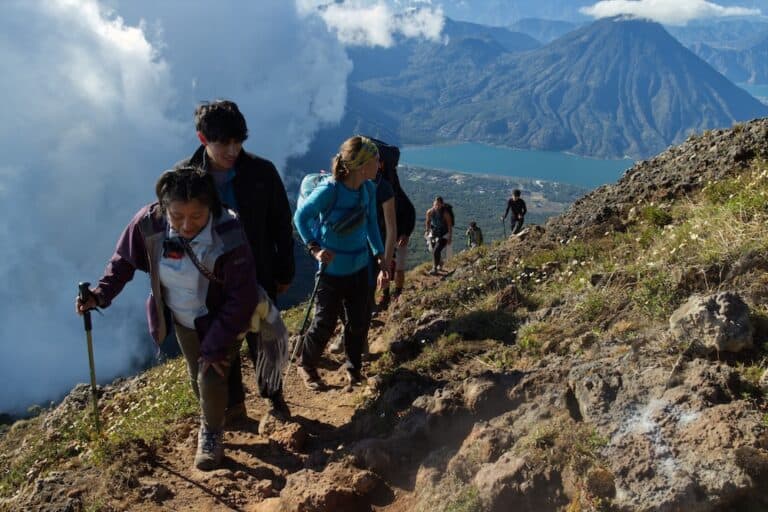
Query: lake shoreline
{"points": [[486, 159]]}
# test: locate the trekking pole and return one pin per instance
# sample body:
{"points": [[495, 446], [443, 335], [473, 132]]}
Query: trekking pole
{"points": [[305, 323], [504, 226], [85, 292]]}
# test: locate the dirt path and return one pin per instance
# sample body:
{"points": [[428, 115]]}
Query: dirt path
{"points": [[256, 466]]}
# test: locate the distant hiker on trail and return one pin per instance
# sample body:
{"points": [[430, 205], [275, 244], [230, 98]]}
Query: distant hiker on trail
{"points": [[174, 240], [439, 227], [338, 222], [474, 235], [516, 206], [252, 187]]}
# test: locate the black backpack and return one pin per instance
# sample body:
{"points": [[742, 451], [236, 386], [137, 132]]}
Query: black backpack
{"points": [[404, 209], [448, 208]]}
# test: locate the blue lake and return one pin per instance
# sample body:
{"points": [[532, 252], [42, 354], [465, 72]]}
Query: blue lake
{"points": [[545, 165]]}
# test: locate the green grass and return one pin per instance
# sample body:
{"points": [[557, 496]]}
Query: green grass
{"points": [[656, 294], [145, 414], [468, 500], [445, 350], [656, 216]]}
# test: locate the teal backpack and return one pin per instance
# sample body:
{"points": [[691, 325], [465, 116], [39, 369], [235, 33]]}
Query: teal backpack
{"points": [[344, 226]]}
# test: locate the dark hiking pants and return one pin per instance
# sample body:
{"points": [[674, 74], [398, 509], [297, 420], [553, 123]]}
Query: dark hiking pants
{"points": [[516, 225], [437, 251], [236, 390], [337, 295]]}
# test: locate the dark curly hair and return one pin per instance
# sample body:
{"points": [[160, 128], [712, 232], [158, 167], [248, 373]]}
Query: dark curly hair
{"points": [[185, 184], [220, 121]]}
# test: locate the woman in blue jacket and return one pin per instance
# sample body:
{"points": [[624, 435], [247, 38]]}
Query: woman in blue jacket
{"points": [[338, 223]]}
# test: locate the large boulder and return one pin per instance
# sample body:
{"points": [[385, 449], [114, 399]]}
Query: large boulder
{"points": [[518, 483], [339, 486], [718, 322]]}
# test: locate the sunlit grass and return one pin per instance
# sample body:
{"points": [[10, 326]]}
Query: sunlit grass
{"points": [[146, 412]]}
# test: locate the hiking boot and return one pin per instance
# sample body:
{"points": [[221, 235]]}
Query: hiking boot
{"points": [[337, 346], [277, 407], [235, 414], [310, 377], [210, 449], [353, 378], [433, 272]]}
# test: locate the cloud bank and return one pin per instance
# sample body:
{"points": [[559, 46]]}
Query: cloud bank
{"points": [[670, 12], [375, 22], [99, 96], [98, 101]]}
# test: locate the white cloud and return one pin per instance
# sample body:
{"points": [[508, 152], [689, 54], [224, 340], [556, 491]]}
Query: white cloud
{"points": [[95, 107], [83, 123], [375, 22], [671, 12]]}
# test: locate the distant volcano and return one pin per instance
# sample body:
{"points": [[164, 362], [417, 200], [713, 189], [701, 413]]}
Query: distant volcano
{"points": [[613, 88]]}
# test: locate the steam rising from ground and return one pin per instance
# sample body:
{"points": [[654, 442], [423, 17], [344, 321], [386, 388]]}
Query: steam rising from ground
{"points": [[670, 12], [95, 108]]}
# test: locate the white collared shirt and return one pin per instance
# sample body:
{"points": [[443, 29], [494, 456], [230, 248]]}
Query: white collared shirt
{"points": [[184, 287]]}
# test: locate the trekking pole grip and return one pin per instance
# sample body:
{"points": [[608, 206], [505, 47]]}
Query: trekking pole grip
{"points": [[84, 291]]}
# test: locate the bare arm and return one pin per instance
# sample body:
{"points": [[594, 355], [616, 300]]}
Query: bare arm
{"points": [[390, 221]]}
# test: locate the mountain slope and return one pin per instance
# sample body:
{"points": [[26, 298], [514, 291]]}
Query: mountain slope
{"points": [[543, 374], [543, 30], [749, 65], [614, 88]]}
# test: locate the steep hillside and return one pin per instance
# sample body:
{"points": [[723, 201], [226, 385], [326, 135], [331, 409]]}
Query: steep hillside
{"points": [[614, 359]]}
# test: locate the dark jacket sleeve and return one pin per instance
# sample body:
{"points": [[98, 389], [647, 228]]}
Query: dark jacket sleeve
{"points": [[279, 222], [241, 296], [130, 255]]}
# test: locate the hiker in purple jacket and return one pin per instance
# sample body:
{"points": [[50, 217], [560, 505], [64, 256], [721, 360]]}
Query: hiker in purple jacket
{"points": [[177, 240]]}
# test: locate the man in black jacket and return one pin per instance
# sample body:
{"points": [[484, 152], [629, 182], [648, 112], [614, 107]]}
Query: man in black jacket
{"points": [[516, 205], [251, 186]]}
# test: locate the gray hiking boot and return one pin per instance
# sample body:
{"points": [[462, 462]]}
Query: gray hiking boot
{"points": [[210, 449]]}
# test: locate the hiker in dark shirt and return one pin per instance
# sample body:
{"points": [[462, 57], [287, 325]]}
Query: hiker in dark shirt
{"points": [[438, 228], [516, 206], [252, 187]]}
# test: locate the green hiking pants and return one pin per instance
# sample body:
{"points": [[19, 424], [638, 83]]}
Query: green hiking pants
{"points": [[210, 388]]}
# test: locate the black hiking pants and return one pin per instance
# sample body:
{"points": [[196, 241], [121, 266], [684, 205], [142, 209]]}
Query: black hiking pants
{"points": [[437, 251], [235, 383], [336, 295], [516, 225]]}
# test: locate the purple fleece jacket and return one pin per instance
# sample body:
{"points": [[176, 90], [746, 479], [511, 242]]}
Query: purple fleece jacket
{"points": [[230, 305]]}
